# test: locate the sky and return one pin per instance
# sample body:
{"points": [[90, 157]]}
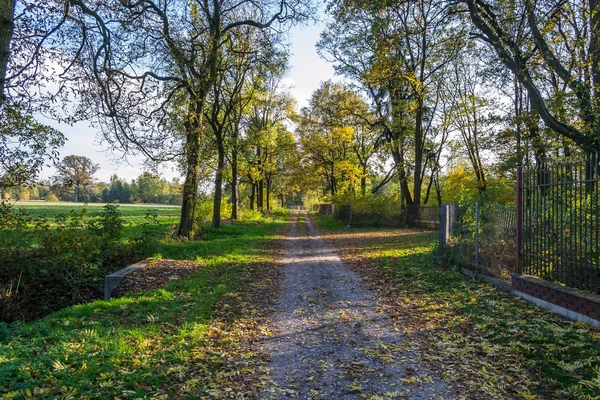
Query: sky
{"points": [[307, 71]]}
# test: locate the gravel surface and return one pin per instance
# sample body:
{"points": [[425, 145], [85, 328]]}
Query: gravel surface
{"points": [[332, 340]]}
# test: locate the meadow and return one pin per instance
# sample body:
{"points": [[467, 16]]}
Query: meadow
{"points": [[133, 214]]}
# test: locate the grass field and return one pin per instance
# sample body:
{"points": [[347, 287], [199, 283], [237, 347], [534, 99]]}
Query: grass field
{"points": [[134, 214]]}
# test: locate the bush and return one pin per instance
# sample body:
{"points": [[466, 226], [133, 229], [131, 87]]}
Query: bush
{"points": [[204, 213], [250, 215], [52, 198]]}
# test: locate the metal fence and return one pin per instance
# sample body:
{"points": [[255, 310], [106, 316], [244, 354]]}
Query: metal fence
{"points": [[559, 237]]}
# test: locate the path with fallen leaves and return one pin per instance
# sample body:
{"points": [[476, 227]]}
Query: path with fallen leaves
{"points": [[332, 339]]}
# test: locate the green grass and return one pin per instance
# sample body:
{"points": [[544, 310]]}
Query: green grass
{"points": [[143, 345], [133, 214], [492, 344]]}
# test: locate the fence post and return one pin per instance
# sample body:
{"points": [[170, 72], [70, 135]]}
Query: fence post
{"points": [[443, 230], [476, 237], [519, 247], [452, 213]]}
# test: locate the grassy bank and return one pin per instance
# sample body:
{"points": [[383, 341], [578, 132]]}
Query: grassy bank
{"points": [[186, 340], [484, 342]]}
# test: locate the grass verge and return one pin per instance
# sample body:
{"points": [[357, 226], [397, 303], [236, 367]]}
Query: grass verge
{"points": [[189, 339], [483, 342]]}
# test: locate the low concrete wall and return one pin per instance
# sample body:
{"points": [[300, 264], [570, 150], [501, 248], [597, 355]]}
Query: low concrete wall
{"points": [[113, 280], [570, 303]]}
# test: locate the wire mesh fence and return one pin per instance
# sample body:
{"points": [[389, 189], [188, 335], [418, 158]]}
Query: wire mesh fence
{"points": [[483, 240]]}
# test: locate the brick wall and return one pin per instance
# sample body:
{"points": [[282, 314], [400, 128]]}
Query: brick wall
{"points": [[572, 299]]}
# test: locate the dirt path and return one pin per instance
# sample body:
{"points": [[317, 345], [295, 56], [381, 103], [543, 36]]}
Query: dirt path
{"points": [[332, 340]]}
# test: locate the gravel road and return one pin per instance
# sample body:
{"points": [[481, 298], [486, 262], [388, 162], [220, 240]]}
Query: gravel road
{"points": [[331, 338]]}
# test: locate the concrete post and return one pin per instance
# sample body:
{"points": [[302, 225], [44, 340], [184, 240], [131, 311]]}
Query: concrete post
{"points": [[443, 227]]}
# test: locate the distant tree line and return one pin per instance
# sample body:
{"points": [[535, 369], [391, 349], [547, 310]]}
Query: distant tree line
{"points": [[74, 182]]}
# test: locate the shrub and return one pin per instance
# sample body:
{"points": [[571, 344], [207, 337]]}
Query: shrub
{"points": [[9, 302], [52, 198], [204, 213], [250, 215]]}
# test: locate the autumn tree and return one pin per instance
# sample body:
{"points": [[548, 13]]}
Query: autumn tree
{"points": [[471, 113], [565, 61], [398, 53], [269, 109], [326, 136], [77, 172]]}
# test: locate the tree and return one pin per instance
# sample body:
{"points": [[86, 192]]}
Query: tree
{"points": [[77, 172], [149, 188], [567, 49], [471, 113], [326, 135], [270, 107], [154, 62], [247, 50], [398, 52]]}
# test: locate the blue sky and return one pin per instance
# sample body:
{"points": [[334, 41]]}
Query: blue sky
{"points": [[308, 70]]}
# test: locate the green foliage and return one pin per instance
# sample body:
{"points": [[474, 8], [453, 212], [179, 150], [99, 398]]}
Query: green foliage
{"points": [[204, 213], [497, 241], [25, 146], [250, 215], [328, 222], [280, 212], [460, 186]]}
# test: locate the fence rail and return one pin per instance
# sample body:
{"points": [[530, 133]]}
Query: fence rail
{"points": [[561, 223]]}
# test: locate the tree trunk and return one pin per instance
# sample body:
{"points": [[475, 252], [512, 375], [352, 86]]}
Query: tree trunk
{"points": [[533, 128], [333, 183], [594, 50], [234, 183], [76, 193], [192, 176], [268, 194], [7, 13], [404, 190], [216, 220], [260, 195], [363, 183], [418, 154], [252, 195]]}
